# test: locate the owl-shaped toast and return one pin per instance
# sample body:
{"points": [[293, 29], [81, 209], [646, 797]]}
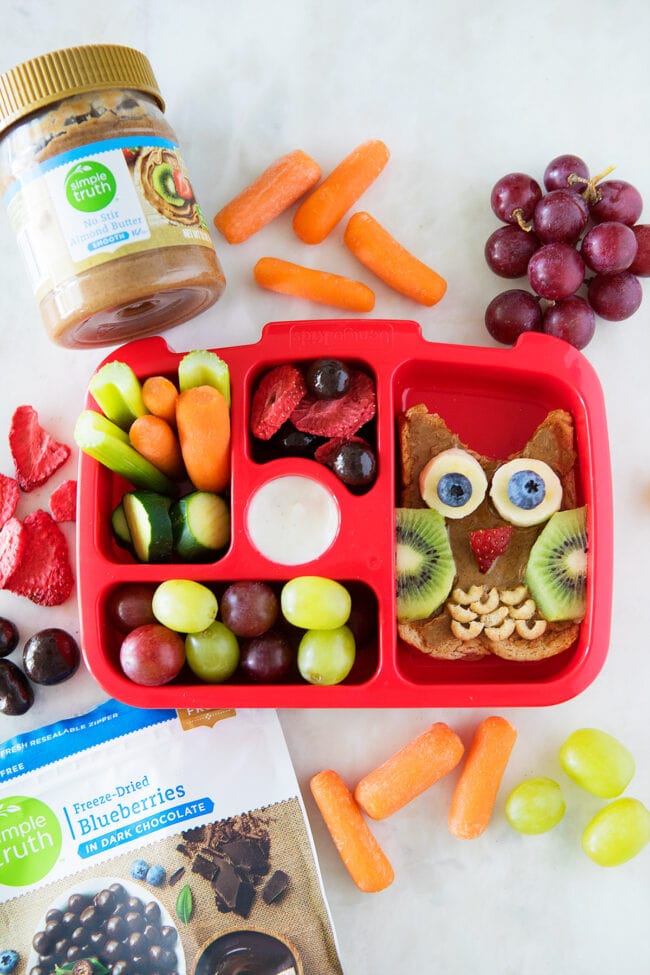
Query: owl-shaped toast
{"points": [[491, 554]]}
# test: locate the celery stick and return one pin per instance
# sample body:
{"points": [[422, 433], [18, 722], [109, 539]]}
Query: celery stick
{"points": [[118, 392], [105, 442], [202, 367]]}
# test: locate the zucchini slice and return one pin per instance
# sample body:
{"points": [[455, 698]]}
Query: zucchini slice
{"points": [[149, 524], [200, 525], [121, 532]]}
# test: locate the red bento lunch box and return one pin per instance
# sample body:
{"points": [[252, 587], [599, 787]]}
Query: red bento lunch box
{"points": [[493, 398]]}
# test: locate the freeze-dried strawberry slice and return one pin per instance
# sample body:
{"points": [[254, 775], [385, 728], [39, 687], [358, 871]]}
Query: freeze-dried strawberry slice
{"points": [[12, 547], [9, 495], [63, 501], [338, 417], [488, 544], [43, 574], [36, 454], [274, 400]]}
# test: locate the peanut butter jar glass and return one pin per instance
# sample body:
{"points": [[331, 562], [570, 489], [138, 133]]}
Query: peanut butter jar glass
{"points": [[99, 197]]}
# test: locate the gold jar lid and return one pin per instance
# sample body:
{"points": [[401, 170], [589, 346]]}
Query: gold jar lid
{"points": [[71, 71]]}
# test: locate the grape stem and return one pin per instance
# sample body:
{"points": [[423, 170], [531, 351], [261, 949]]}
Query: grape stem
{"points": [[591, 193], [518, 214]]}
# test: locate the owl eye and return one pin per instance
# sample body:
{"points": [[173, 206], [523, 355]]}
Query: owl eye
{"points": [[526, 492], [453, 483]]}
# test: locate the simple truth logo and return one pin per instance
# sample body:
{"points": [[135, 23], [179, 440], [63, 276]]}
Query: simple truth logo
{"points": [[30, 840]]}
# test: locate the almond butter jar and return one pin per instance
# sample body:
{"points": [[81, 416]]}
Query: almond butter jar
{"points": [[99, 197]]}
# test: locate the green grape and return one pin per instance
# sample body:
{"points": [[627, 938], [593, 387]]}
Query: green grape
{"points": [[213, 653], [326, 656], [315, 603], [617, 833], [535, 806], [184, 605], [597, 761]]}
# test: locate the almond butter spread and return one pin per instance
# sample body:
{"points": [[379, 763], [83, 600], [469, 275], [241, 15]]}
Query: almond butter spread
{"points": [[99, 197]]}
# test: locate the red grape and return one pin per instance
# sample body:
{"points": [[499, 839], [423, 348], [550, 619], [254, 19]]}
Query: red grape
{"points": [[571, 319], [617, 200], [152, 654], [129, 605], [509, 249], [641, 263], [615, 296], [511, 313], [267, 658], [249, 608], [609, 247], [558, 171], [560, 215], [556, 271], [514, 196]]}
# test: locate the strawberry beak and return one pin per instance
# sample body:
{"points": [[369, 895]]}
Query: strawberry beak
{"points": [[488, 544]]}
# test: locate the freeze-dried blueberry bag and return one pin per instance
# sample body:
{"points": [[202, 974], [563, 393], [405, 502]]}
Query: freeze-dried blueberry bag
{"points": [[135, 842]]}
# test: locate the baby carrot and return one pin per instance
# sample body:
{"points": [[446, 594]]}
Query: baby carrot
{"points": [[476, 790], [159, 395], [154, 439], [410, 771], [305, 282], [203, 421], [384, 256], [364, 859], [320, 212], [274, 190]]}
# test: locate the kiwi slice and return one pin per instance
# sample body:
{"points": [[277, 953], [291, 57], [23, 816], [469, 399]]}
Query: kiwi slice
{"points": [[556, 574], [424, 562], [162, 180]]}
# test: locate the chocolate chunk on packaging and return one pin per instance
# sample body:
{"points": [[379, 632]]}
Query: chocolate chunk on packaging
{"points": [[142, 840]]}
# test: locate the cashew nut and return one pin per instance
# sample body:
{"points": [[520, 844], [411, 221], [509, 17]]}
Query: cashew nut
{"points": [[461, 613], [530, 631], [466, 632], [525, 611], [502, 632], [512, 597], [487, 603]]}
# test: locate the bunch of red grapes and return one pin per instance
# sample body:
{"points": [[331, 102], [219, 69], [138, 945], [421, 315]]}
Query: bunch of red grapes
{"points": [[579, 245]]}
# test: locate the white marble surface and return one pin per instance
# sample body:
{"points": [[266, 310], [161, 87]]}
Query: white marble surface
{"points": [[461, 92]]}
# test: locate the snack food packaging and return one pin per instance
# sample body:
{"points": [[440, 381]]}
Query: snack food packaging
{"points": [[100, 199], [176, 838]]}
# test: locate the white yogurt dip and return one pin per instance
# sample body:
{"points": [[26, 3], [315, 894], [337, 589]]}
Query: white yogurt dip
{"points": [[292, 519]]}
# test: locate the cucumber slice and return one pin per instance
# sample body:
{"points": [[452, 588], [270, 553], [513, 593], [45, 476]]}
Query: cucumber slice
{"points": [[200, 525], [149, 524], [118, 392], [107, 443], [202, 367], [121, 532]]}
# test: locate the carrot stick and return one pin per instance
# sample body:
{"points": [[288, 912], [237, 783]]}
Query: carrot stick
{"points": [[154, 439], [159, 395], [384, 256], [476, 790], [410, 771], [320, 212], [274, 274], [364, 859], [203, 421], [274, 190]]}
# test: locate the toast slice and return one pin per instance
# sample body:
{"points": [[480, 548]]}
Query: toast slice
{"points": [[422, 435]]}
